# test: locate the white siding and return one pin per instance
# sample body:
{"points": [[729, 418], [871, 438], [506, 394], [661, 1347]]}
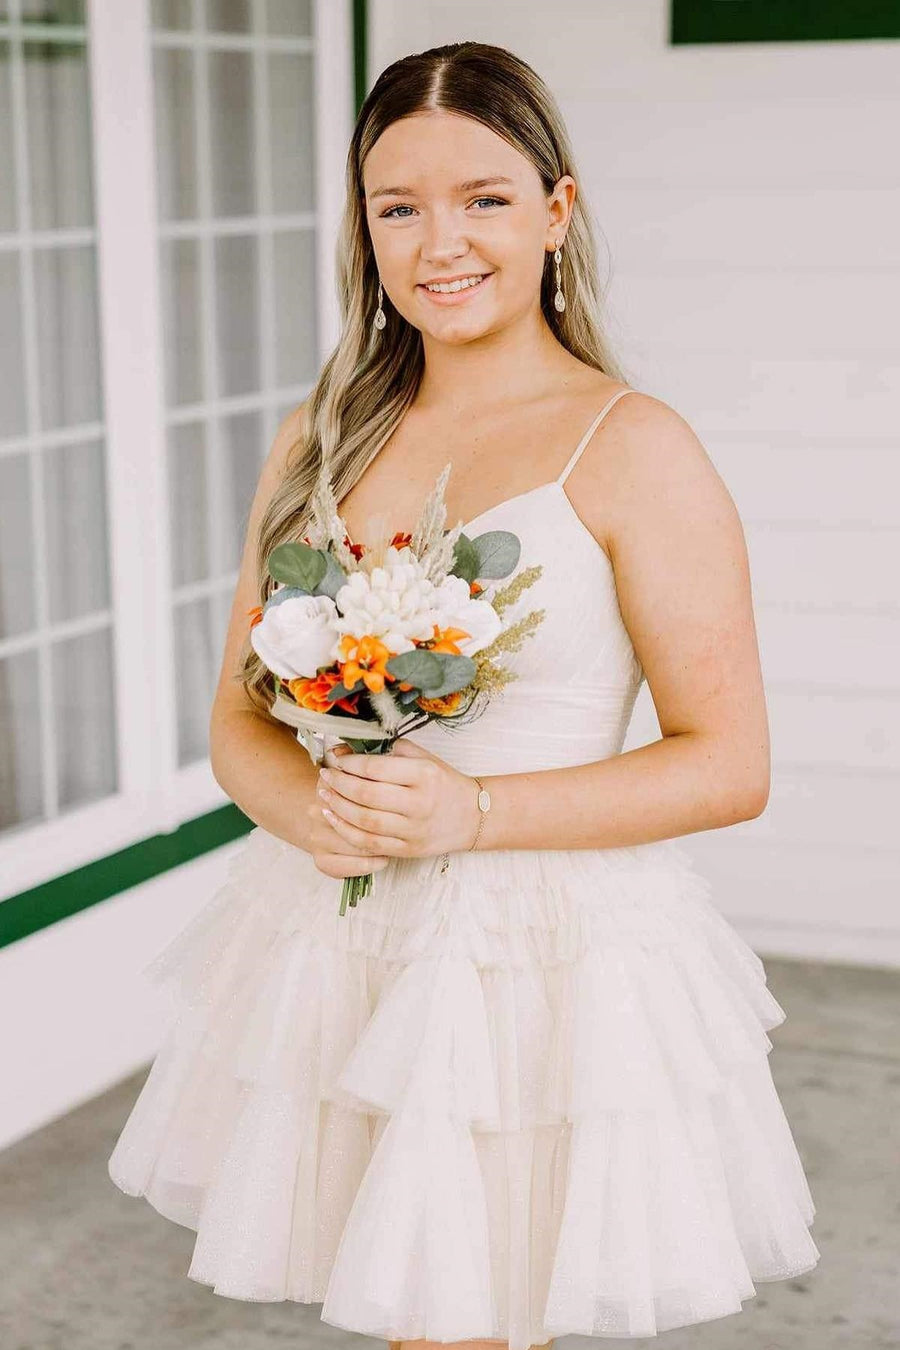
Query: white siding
{"points": [[749, 201]]}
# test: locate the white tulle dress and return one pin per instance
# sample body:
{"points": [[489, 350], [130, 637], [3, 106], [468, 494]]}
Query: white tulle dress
{"points": [[525, 1097]]}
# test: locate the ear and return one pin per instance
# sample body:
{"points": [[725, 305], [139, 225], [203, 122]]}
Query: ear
{"points": [[559, 209]]}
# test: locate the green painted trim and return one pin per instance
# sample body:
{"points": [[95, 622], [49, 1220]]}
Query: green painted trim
{"points": [[694, 21], [32, 910], [360, 52]]}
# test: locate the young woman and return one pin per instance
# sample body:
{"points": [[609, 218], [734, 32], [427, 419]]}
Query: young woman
{"points": [[527, 1094]]}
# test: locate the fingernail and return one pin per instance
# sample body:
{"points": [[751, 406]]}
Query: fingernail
{"points": [[324, 774]]}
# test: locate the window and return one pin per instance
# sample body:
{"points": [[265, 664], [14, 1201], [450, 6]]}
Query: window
{"points": [[171, 175]]}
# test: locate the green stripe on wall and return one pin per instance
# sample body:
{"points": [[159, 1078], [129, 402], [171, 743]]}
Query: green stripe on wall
{"points": [[783, 20], [31, 910], [360, 52]]}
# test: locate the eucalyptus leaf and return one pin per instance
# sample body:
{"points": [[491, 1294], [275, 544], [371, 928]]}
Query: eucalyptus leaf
{"points": [[497, 553], [458, 671], [286, 593], [434, 673], [340, 691], [297, 564], [334, 578], [419, 667]]}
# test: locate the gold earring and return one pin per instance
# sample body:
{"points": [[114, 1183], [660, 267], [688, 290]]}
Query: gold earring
{"points": [[380, 317], [559, 299]]}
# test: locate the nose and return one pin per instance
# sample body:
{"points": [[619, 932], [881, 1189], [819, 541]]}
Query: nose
{"points": [[443, 239]]}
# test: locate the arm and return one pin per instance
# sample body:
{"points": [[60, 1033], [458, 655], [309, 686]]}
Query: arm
{"points": [[682, 577]]}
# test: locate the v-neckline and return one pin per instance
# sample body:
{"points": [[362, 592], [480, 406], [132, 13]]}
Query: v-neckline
{"points": [[554, 483]]}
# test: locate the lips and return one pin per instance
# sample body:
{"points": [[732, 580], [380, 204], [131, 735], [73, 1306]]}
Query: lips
{"points": [[456, 297]]}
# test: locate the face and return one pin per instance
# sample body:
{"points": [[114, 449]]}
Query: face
{"points": [[450, 201]]}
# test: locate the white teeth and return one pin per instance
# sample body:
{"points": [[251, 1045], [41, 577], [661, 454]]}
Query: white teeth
{"points": [[448, 287]]}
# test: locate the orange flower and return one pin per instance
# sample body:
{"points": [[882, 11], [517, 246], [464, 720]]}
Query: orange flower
{"points": [[445, 640], [312, 692], [442, 706], [365, 659], [255, 615], [474, 588], [401, 540]]}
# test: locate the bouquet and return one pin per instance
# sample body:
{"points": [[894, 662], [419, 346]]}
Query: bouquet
{"points": [[367, 643]]}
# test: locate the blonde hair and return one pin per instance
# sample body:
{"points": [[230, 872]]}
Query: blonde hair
{"points": [[371, 378]]}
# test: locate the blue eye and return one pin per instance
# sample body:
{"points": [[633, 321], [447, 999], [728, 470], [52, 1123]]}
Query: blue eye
{"points": [[390, 212]]}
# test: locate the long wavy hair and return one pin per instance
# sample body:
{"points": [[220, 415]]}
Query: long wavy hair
{"points": [[372, 377]]}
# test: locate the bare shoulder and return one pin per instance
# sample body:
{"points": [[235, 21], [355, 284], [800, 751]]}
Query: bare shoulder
{"points": [[654, 464]]}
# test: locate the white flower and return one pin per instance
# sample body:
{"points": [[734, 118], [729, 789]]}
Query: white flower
{"points": [[454, 608], [394, 603], [295, 637]]}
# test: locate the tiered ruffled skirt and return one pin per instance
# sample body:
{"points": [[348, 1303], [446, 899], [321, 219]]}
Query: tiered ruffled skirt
{"points": [[525, 1098]]}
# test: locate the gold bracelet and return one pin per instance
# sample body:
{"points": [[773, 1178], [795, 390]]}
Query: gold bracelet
{"points": [[483, 802]]}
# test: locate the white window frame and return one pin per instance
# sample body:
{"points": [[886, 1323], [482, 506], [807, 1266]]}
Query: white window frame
{"points": [[154, 795]]}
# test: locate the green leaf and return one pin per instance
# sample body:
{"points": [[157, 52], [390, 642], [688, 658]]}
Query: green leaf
{"points": [[340, 691], [419, 667], [334, 578], [434, 673], [498, 552], [298, 565]]}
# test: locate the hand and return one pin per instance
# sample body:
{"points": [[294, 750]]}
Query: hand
{"points": [[330, 852], [405, 804]]}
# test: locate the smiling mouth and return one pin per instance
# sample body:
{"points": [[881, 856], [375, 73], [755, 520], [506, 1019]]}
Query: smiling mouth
{"points": [[448, 290]]}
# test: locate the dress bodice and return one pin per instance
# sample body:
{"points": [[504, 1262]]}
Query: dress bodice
{"points": [[577, 674]]}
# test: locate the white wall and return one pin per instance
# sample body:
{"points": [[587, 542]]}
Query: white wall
{"points": [[749, 198], [76, 1011]]}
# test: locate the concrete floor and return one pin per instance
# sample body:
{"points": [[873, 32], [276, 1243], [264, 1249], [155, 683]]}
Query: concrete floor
{"points": [[84, 1267]]}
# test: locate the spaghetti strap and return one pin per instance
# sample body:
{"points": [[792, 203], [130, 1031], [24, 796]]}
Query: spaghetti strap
{"points": [[576, 453]]}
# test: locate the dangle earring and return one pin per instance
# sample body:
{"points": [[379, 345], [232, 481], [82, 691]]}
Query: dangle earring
{"points": [[559, 300], [380, 317]]}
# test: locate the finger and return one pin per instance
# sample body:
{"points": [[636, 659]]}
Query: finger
{"points": [[366, 843], [380, 796], [373, 821], [381, 768]]}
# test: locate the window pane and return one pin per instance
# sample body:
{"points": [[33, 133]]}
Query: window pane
{"points": [[76, 528], [12, 367], [295, 306], [237, 314], [68, 12], [59, 134], [199, 639], [228, 16], [17, 605], [68, 345], [242, 451], [171, 13], [291, 130], [188, 496], [84, 717], [290, 18], [180, 266], [176, 148], [231, 133], [20, 741], [7, 162]]}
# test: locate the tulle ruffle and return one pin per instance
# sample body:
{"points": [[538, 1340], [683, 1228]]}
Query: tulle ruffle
{"points": [[525, 1098]]}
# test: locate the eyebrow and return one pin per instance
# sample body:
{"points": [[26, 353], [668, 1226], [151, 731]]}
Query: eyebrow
{"points": [[470, 185]]}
